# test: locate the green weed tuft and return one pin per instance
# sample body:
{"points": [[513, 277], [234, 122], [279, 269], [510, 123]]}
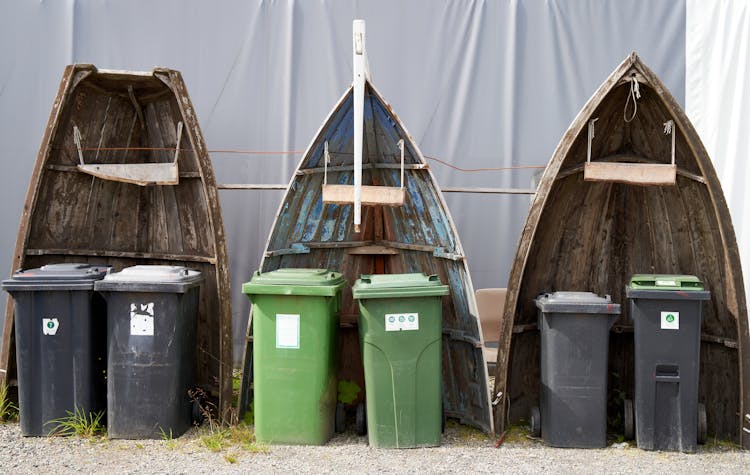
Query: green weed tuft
{"points": [[215, 439], [8, 410], [79, 423], [167, 437], [716, 444], [348, 391]]}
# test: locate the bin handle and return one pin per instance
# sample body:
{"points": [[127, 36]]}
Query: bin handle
{"points": [[664, 378], [667, 374]]}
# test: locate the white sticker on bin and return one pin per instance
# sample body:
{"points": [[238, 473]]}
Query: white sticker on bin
{"points": [[670, 320], [666, 283], [142, 319], [50, 326], [287, 331], [395, 322]]}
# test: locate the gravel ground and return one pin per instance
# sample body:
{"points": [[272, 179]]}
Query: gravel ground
{"points": [[463, 451]]}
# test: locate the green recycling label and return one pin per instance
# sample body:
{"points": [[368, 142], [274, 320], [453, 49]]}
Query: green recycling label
{"points": [[670, 320], [395, 322]]}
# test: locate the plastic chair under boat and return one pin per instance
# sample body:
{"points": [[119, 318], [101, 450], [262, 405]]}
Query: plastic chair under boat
{"points": [[490, 304]]}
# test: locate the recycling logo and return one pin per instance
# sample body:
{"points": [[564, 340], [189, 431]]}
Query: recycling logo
{"points": [[670, 320], [50, 326], [396, 322]]}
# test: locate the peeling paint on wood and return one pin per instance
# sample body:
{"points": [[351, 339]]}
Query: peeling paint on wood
{"points": [[420, 231]]}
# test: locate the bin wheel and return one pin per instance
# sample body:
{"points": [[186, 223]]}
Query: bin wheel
{"points": [[535, 422], [442, 419], [628, 419], [702, 425], [361, 419], [340, 421]]}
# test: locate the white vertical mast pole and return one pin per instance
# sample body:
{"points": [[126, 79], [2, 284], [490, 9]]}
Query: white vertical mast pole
{"points": [[360, 67]]}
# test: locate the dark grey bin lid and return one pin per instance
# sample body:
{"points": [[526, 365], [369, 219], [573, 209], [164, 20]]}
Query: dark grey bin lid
{"points": [[63, 276], [576, 302], [647, 294], [151, 278]]}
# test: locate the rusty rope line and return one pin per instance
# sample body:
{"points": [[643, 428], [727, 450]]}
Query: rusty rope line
{"points": [[516, 167], [296, 152], [172, 149]]}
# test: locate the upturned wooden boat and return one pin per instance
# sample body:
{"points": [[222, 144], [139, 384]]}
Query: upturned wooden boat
{"points": [[403, 229], [123, 177], [632, 192]]}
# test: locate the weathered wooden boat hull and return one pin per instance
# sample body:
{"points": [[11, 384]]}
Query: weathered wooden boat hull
{"points": [[592, 236], [70, 216], [416, 237]]}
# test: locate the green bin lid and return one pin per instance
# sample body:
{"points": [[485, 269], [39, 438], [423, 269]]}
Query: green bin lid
{"points": [[321, 282], [380, 286], [665, 282]]}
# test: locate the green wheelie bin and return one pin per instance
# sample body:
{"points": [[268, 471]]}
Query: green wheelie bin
{"points": [[295, 336], [400, 331]]}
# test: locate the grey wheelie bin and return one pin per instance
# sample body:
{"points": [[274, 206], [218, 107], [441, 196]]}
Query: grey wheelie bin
{"points": [[574, 329], [61, 332], [151, 319], [667, 312]]}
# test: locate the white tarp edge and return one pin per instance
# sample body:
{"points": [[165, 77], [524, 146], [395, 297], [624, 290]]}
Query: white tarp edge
{"points": [[717, 100]]}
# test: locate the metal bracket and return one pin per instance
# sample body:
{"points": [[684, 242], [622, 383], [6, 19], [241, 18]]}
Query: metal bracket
{"points": [[401, 147], [460, 335], [496, 401], [591, 135], [326, 161], [295, 248], [441, 253]]}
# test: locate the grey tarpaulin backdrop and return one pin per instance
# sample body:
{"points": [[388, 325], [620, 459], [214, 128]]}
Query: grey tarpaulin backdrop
{"points": [[477, 83]]}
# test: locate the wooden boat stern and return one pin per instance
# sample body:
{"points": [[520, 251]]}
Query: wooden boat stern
{"points": [[131, 126], [415, 236], [593, 235]]}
